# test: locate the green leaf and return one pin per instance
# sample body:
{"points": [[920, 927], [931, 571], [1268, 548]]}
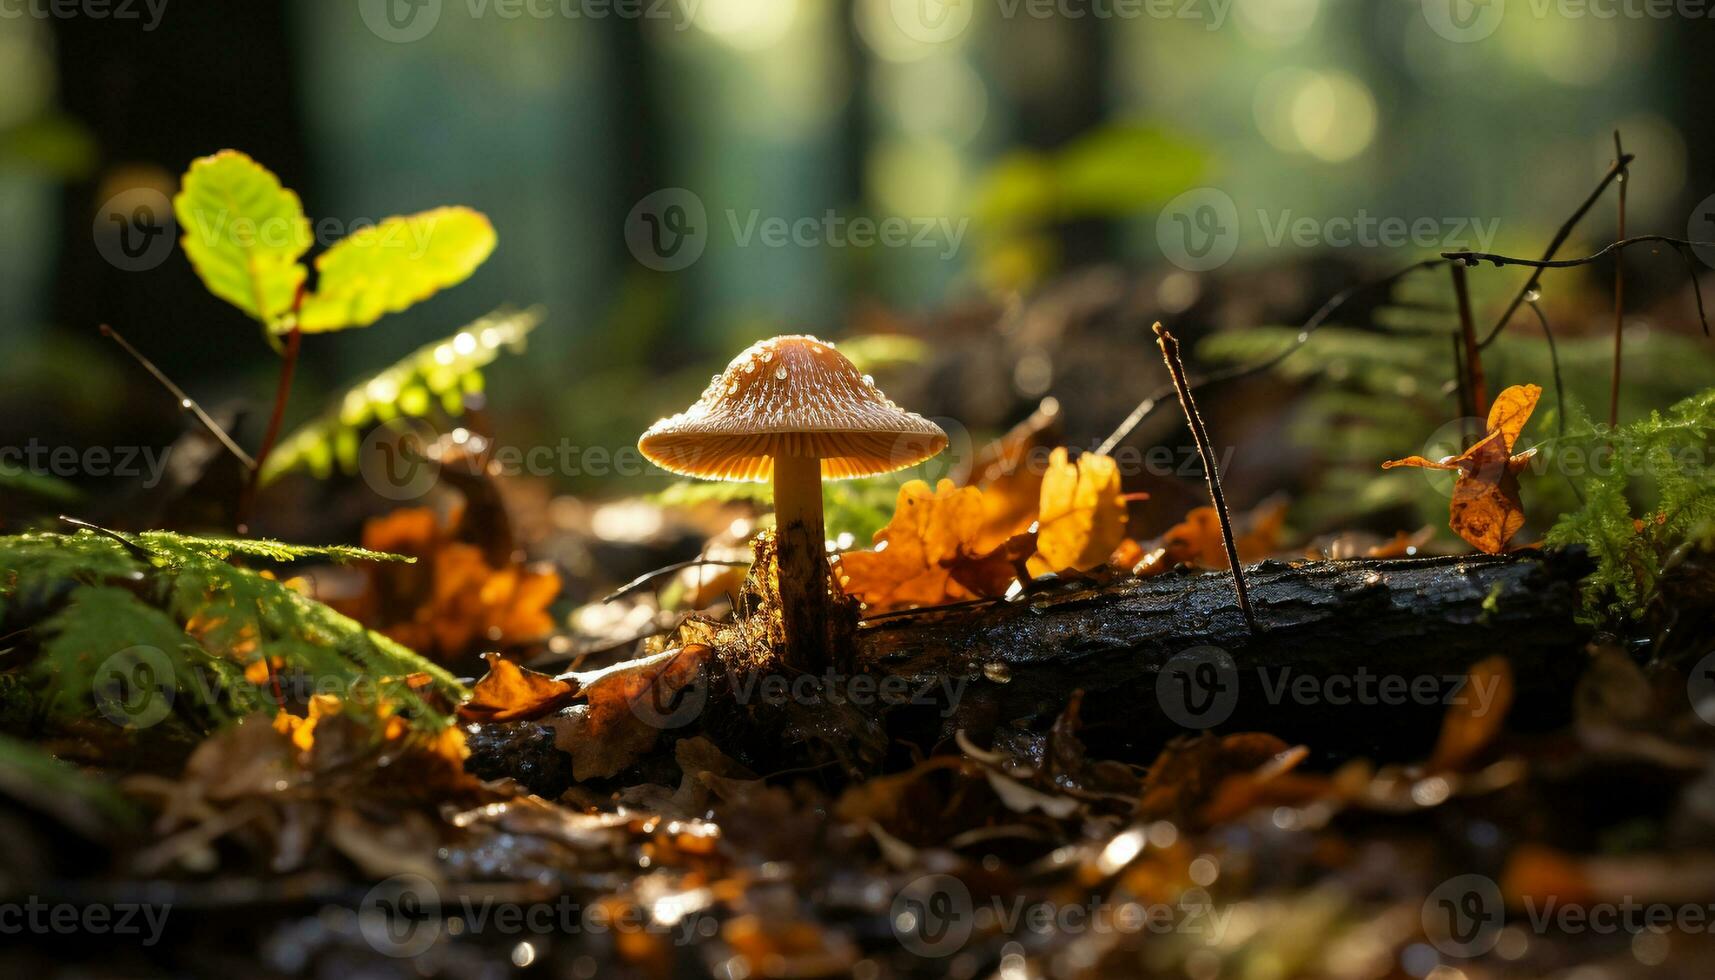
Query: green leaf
{"points": [[399, 262], [244, 234]]}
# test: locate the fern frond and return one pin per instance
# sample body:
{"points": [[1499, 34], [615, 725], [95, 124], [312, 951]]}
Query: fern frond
{"points": [[175, 602], [439, 376]]}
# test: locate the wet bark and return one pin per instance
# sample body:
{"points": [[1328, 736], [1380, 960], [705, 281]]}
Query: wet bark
{"points": [[1353, 657]]}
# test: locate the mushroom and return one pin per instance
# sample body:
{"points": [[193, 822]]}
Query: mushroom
{"points": [[794, 410]]}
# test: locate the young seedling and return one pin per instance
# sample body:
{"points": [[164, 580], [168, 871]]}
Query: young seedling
{"points": [[795, 411], [246, 236]]}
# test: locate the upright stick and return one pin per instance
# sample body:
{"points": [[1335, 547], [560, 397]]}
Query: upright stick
{"points": [[1473, 352], [1176, 367], [1619, 290]]}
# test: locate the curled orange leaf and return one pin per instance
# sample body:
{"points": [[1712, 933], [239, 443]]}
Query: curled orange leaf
{"points": [[1486, 510]]}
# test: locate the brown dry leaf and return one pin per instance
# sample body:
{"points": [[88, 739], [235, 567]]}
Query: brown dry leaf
{"points": [[1081, 518], [1276, 783], [509, 692], [1401, 545], [453, 598], [1486, 510], [1197, 540], [630, 704], [1539, 873], [1474, 722], [1188, 773], [928, 554]]}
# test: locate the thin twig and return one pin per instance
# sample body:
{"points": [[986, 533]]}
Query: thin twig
{"points": [[1176, 367], [1473, 362], [1462, 394], [1554, 244], [1554, 361], [1559, 391], [186, 403], [1619, 292], [1148, 405], [647, 577], [1624, 243], [1680, 245]]}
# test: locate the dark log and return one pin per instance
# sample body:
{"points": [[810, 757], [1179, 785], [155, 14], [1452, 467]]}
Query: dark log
{"points": [[1352, 658], [1326, 628]]}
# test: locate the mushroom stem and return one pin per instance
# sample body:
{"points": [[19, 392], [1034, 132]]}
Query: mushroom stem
{"points": [[803, 560]]}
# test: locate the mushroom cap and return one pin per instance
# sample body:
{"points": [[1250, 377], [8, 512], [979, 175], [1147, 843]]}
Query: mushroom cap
{"points": [[790, 396]]}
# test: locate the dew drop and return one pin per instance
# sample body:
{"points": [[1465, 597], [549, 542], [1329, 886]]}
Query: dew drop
{"points": [[780, 373], [1532, 295]]}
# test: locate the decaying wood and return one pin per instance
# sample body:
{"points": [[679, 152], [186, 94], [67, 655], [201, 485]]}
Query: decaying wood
{"points": [[1337, 619], [1339, 646]]}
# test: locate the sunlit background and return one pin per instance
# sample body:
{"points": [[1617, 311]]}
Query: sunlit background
{"points": [[1050, 143]]}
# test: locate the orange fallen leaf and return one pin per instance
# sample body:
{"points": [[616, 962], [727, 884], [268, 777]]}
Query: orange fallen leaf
{"points": [[302, 730], [1486, 510], [1010, 472], [509, 692], [1474, 722], [1082, 514], [1197, 540], [940, 546], [929, 553]]}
